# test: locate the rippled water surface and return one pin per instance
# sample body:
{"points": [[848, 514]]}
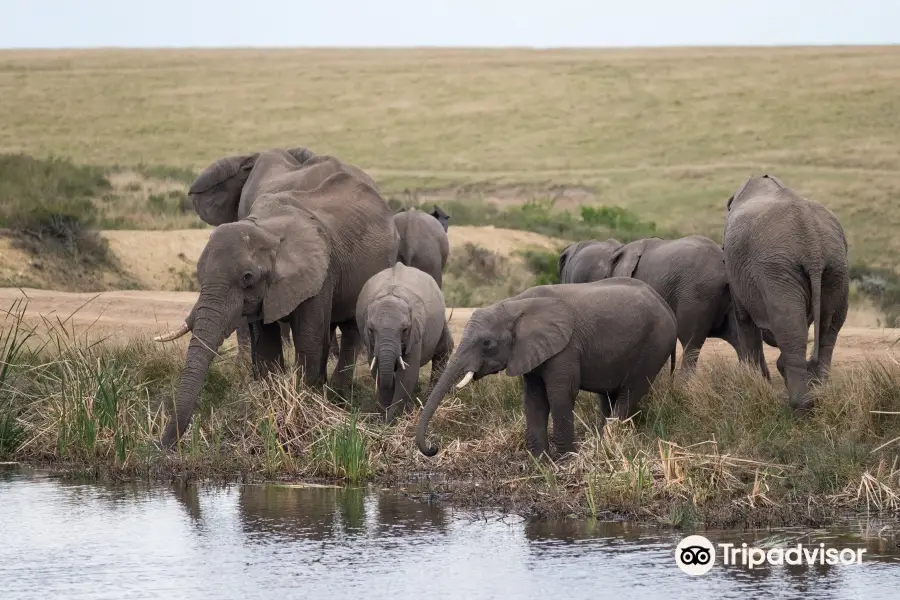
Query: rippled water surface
{"points": [[66, 540]]}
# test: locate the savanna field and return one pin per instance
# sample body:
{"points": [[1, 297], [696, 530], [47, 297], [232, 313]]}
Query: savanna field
{"points": [[527, 151]]}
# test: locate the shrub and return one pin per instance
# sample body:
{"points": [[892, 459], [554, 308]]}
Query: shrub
{"points": [[543, 265], [49, 201]]}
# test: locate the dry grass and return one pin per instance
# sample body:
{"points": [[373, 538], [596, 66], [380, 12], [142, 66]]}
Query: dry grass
{"points": [[668, 133], [720, 448]]}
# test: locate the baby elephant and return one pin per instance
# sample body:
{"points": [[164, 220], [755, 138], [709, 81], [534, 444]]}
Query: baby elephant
{"points": [[609, 337], [689, 273], [400, 315]]}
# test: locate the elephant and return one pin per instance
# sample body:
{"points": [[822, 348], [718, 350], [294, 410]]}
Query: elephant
{"points": [[297, 256], [786, 259], [423, 240], [400, 315], [689, 273], [609, 337], [214, 203]]}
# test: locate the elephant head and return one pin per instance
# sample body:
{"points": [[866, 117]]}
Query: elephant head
{"points": [[265, 264], [624, 261], [589, 260], [390, 328], [442, 217], [516, 334]]}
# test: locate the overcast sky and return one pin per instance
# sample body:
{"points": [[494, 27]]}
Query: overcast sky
{"points": [[539, 23]]}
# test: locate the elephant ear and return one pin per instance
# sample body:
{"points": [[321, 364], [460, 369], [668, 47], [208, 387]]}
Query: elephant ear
{"points": [[624, 261], [442, 217], [301, 154], [542, 328], [775, 179], [216, 193], [301, 261], [564, 257], [737, 194]]}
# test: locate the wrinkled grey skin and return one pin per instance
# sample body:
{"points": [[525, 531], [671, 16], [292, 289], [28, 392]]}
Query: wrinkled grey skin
{"points": [[295, 256], [423, 240], [608, 337], [400, 315], [689, 273], [215, 206], [786, 258]]}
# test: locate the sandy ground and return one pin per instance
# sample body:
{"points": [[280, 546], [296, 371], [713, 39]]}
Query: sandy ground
{"points": [[123, 315]]}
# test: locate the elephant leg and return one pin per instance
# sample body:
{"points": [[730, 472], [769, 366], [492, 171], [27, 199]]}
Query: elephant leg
{"points": [[310, 326], [441, 355], [750, 341], [630, 397], [345, 369], [405, 381], [691, 347], [833, 314], [790, 329], [269, 355], [561, 391], [537, 415]]}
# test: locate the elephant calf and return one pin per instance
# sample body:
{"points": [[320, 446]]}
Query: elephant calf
{"points": [[609, 337], [400, 314], [786, 258], [689, 273], [423, 240]]}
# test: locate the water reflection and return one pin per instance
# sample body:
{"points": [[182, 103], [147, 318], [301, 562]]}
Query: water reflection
{"points": [[259, 541]]}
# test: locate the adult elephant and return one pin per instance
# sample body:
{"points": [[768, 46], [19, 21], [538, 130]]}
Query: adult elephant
{"points": [[608, 337], [213, 195], [689, 273], [424, 244], [786, 258], [294, 255]]}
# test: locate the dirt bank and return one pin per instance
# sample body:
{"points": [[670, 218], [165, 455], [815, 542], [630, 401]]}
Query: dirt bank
{"points": [[121, 315]]}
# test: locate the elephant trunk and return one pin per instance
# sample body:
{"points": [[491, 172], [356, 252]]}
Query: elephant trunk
{"points": [[388, 350], [455, 371], [209, 329]]}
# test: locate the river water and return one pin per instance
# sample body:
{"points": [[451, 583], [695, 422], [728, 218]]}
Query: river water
{"points": [[70, 540]]}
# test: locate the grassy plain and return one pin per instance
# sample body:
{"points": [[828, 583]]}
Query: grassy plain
{"points": [[668, 133]]}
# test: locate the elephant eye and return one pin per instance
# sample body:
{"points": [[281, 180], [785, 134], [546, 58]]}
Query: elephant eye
{"points": [[247, 280], [488, 344]]}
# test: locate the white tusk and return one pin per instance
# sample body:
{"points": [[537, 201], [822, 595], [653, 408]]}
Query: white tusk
{"points": [[403, 365], [465, 380], [372, 366], [376, 379], [172, 335]]}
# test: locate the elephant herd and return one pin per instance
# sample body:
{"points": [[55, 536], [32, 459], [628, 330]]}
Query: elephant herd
{"points": [[304, 245]]}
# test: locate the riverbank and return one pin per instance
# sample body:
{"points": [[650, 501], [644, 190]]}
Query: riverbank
{"points": [[720, 449]]}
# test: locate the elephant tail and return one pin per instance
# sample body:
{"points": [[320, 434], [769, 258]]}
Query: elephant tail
{"points": [[815, 284]]}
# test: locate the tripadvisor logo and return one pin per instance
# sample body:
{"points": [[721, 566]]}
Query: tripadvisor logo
{"points": [[696, 555]]}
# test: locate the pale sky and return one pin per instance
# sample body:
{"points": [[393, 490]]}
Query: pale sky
{"points": [[537, 23]]}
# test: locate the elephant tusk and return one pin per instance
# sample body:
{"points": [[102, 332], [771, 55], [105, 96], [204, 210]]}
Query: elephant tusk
{"points": [[465, 380], [403, 365], [372, 366], [172, 335], [376, 379]]}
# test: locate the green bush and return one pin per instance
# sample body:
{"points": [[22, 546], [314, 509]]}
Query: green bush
{"points": [[541, 216], [882, 286], [50, 201], [543, 265]]}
